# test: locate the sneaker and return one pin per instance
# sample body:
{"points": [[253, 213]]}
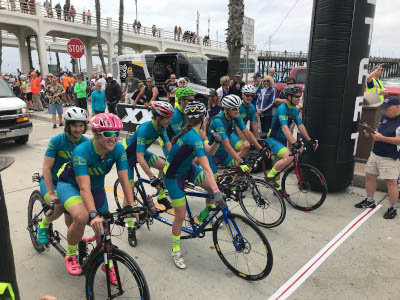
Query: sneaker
{"points": [[72, 265], [365, 204], [132, 237], [61, 124], [54, 126], [391, 213], [178, 260], [111, 272], [43, 235], [164, 201]]}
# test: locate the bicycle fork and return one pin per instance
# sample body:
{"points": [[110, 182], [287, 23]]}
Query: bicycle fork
{"points": [[230, 229]]}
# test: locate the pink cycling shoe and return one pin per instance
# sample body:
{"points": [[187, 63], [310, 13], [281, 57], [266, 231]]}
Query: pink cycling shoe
{"points": [[111, 271], [72, 265]]}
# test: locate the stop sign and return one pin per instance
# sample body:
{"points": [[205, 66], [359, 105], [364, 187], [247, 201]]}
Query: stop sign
{"points": [[75, 48]]}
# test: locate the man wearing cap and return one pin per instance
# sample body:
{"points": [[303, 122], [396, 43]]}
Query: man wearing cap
{"points": [[374, 85], [35, 89], [113, 94], [258, 86], [384, 157], [130, 87], [237, 85], [213, 107]]}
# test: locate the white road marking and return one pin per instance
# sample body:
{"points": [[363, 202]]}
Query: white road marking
{"points": [[297, 279]]}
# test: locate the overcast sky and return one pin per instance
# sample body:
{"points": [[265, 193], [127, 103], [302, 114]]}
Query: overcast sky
{"points": [[293, 35]]}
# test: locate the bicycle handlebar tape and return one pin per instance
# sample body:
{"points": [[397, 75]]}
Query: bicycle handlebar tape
{"points": [[337, 68]]}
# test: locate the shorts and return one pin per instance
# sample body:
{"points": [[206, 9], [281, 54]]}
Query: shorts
{"points": [[176, 186], [277, 147], [236, 141], [149, 157], [55, 108], [43, 190], [98, 112], [69, 195], [385, 167], [29, 96], [221, 159], [128, 99], [81, 102]]}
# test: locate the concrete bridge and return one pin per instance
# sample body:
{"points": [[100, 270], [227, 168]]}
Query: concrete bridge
{"points": [[23, 21]]}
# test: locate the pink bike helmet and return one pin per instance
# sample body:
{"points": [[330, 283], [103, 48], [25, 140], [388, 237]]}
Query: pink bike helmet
{"points": [[106, 121]]}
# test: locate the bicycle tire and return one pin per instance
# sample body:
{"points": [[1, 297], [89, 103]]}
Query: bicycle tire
{"points": [[313, 180], [136, 192], [269, 207], [33, 220], [120, 259], [243, 246]]}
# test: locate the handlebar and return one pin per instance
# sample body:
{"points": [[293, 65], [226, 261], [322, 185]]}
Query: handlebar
{"points": [[119, 216]]}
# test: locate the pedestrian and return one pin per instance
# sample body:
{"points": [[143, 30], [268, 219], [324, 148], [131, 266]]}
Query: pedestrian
{"points": [[84, 16], [66, 83], [103, 81], [80, 91], [139, 25], [113, 94], [35, 89], [23, 6], [12, 5], [66, 12], [58, 10], [72, 13], [175, 32], [374, 84], [54, 92], [171, 88], [89, 17], [153, 30], [48, 8], [148, 93], [237, 85], [384, 158], [265, 103], [179, 33], [257, 85], [272, 73], [32, 8], [213, 107], [130, 87], [223, 90], [135, 99], [98, 100]]}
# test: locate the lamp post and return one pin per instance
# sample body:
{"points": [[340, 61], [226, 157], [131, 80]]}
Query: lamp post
{"points": [[136, 10]]}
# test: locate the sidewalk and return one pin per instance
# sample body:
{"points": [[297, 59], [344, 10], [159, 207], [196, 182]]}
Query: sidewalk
{"points": [[359, 169]]}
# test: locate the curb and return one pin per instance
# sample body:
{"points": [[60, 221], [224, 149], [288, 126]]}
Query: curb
{"points": [[40, 118]]}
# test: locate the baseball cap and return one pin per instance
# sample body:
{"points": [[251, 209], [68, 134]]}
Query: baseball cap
{"points": [[109, 75], [390, 101], [238, 74], [257, 75], [213, 93]]}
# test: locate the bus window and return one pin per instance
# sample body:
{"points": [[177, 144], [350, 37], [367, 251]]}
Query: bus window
{"points": [[183, 70]]}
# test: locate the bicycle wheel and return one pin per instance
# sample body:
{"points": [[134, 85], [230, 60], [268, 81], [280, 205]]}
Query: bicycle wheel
{"points": [[132, 281], [305, 189], [263, 204], [35, 214], [252, 258]]}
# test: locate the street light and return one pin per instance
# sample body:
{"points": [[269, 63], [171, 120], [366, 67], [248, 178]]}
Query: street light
{"points": [[136, 11]]}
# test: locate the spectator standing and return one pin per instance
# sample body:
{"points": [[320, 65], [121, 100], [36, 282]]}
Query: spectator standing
{"points": [[384, 157], [35, 89], [113, 94], [257, 85], [175, 32], [13, 5], [66, 83], [89, 17], [48, 8], [134, 25], [103, 81], [139, 25], [272, 73], [98, 100], [237, 85], [80, 91], [130, 87], [179, 33], [171, 88], [54, 91], [72, 13], [265, 103], [32, 8], [23, 6], [149, 93], [135, 99], [374, 84], [58, 10], [282, 97], [213, 107], [153, 30], [66, 12], [223, 90], [181, 83], [84, 16]]}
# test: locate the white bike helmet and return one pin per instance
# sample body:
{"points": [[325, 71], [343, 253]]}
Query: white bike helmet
{"points": [[231, 101], [162, 108], [248, 89], [76, 114], [195, 109]]}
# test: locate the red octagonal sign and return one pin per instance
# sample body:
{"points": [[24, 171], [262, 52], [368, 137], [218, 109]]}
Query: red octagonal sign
{"points": [[75, 48]]}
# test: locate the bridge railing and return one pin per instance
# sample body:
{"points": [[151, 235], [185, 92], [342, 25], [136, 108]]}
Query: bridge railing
{"points": [[263, 53]]}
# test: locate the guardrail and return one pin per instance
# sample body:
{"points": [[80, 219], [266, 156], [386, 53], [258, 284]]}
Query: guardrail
{"points": [[262, 53]]}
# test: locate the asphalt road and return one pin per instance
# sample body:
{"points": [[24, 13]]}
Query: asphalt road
{"points": [[365, 266]]}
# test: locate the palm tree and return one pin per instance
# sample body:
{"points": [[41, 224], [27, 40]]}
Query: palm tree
{"points": [[1, 50], [234, 38], [98, 12], [121, 26]]}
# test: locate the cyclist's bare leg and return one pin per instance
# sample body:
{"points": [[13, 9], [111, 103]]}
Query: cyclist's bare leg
{"points": [[283, 162], [180, 213], [67, 220], [79, 216], [206, 185], [244, 149]]}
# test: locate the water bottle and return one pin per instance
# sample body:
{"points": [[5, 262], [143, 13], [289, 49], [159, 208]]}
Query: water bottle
{"points": [[150, 204]]}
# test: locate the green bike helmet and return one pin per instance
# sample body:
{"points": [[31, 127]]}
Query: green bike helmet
{"points": [[184, 92]]}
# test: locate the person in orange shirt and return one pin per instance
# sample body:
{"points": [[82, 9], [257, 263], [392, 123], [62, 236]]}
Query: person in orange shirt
{"points": [[35, 89], [71, 89], [66, 83]]}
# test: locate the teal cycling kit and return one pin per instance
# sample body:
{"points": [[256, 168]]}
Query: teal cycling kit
{"points": [[180, 167], [60, 148], [87, 161], [143, 138], [285, 114], [248, 113]]}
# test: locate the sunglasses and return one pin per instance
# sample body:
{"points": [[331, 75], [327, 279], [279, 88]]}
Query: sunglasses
{"points": [[110, 134], [234, 109], [296, 96], [248, 95], [267, 81]]}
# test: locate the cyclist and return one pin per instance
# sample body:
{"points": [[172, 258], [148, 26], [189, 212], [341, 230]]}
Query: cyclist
{"points": [[81, 183], [59, 151], [224, 124], [179, 167], [280, 135], [247, 110], [136, 151]]}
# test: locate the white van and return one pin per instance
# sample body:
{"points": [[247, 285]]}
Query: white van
{"points": [[15, 123]]}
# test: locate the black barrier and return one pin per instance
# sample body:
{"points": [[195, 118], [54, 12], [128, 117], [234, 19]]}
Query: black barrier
{"points": [[132, 117], [339, 48]]}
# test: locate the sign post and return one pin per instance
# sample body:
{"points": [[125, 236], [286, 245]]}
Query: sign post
{"points": [[75, 48]]}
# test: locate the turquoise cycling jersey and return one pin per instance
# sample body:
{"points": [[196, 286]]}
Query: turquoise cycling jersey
{"points": [[285, 114], [248, 113], [176, 123], [86, 161], [224, 127], [186, 148], [60, 148]]}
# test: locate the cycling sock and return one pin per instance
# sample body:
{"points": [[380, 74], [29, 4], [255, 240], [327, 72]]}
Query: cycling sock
{"points": [[71, 250], [210, 205], [44, 223], [278, 182], [176, 243], [161, 194], [129, 221], [272, 173]]}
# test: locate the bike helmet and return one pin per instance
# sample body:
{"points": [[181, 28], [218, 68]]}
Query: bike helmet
{"points": [[248, 89], [195, 109], [231, 101], [162, 109], [184, 92], [292, 90], [23, 77], [75, 114], [106, 121]]}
